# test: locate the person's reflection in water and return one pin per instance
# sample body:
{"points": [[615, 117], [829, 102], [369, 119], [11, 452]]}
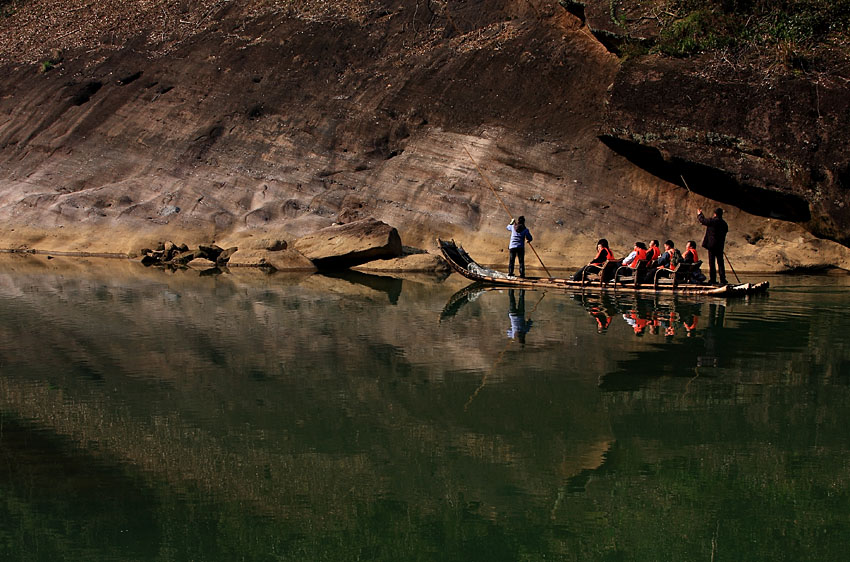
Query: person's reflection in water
{"points": [[519, 324], [691, 327], [638, 323], [602, 318], [669, 323], [716, 319]]}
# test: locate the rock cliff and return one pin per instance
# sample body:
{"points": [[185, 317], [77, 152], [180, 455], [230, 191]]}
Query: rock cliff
{"points": [[122, 125]]}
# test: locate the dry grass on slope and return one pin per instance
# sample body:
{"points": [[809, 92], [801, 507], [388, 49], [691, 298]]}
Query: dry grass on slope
{"points": [[34, 31]]}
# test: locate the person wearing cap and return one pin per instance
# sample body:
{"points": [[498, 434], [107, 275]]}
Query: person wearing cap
{"points": [[714, 241], [519, 234]]}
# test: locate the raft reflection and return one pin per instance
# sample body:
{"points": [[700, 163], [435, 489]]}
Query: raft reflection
{"points": [[652, 317]]}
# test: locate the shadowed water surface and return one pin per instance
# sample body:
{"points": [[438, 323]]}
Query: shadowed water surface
{"points": [[147, 415]]}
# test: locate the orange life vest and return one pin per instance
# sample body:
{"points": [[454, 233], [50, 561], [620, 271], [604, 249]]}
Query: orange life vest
{"points": [[639, 255], [653, 253], [693, 252], [605, 254], [670, 264]]}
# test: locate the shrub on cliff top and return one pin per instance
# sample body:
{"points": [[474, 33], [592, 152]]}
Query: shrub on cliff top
{"points": [[705, 25]]}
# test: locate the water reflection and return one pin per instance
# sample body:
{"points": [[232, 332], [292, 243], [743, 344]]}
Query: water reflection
{"points": [[157, 416], [649, 316], [519, 323], [391, 286]]}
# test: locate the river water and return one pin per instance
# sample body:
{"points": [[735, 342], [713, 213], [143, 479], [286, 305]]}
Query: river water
{"points": [[151, 415]]}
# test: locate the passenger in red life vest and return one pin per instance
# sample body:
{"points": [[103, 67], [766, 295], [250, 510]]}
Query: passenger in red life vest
{"points": [[669, 259], [654, 251], [690, 255], [638, 254], [603, 254]]}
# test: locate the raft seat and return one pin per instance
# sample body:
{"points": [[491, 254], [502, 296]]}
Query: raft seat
{"points": [[683, 273], [627, 275], [605, 270]]}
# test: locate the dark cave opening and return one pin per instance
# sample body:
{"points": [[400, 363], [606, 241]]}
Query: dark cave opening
{"points": [[713, 183]]}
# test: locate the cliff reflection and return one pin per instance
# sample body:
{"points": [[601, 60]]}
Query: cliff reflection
{"points": [[307, 401], [314, 418]]}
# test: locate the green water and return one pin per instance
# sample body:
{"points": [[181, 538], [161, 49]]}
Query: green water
{"points": [[147, 415]]}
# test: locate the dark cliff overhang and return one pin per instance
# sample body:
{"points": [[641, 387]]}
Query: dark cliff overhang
{"points": [[714, 183]]}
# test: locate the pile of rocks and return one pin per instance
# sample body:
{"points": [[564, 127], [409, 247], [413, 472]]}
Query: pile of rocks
{"points": [[370, 244], [171, 254]]}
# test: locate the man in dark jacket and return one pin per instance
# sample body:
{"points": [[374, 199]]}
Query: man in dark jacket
{"points": [[714, 241]]}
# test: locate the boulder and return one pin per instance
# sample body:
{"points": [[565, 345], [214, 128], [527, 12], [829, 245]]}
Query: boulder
{"points": [[201, 263], [270, 244], [282, 260], [347, 245], [224, 256], [210, 252], [426, 262], [146, 259], [186, 256]]}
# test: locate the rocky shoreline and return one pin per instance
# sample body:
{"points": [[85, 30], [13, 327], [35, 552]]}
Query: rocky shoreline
{"points": [[362, 243]]}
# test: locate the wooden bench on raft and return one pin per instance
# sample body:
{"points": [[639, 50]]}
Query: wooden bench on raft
{"points": [[605, 270], [628, 275], [682, 273]]}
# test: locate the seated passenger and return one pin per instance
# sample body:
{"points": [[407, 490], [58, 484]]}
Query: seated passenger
{"points": [[692, 257], [671, 256], [638, 254], [654, 251], [603, 254], [669, 259]]}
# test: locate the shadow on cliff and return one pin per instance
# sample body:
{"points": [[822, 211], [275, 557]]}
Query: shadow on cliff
{"points": [[713, 183]]}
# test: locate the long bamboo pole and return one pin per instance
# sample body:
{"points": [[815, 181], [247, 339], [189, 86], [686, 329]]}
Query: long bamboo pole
{"points": [[493, 189]]}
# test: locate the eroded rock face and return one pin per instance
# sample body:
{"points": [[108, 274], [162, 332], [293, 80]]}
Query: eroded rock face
{"points": [[264, 124], [347, 245], [772, 148], [764, 136]]}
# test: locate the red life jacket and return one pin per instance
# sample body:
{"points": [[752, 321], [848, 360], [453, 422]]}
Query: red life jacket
{"points": [[653, 253], [640, 255], [603, 255], [670, 264], [693, 252]]}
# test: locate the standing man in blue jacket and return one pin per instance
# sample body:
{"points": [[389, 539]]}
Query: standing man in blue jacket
{"points": [[714, 241], [519, 234]]}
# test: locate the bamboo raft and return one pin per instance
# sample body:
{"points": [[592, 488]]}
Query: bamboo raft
{"points": [[664, 282]]}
